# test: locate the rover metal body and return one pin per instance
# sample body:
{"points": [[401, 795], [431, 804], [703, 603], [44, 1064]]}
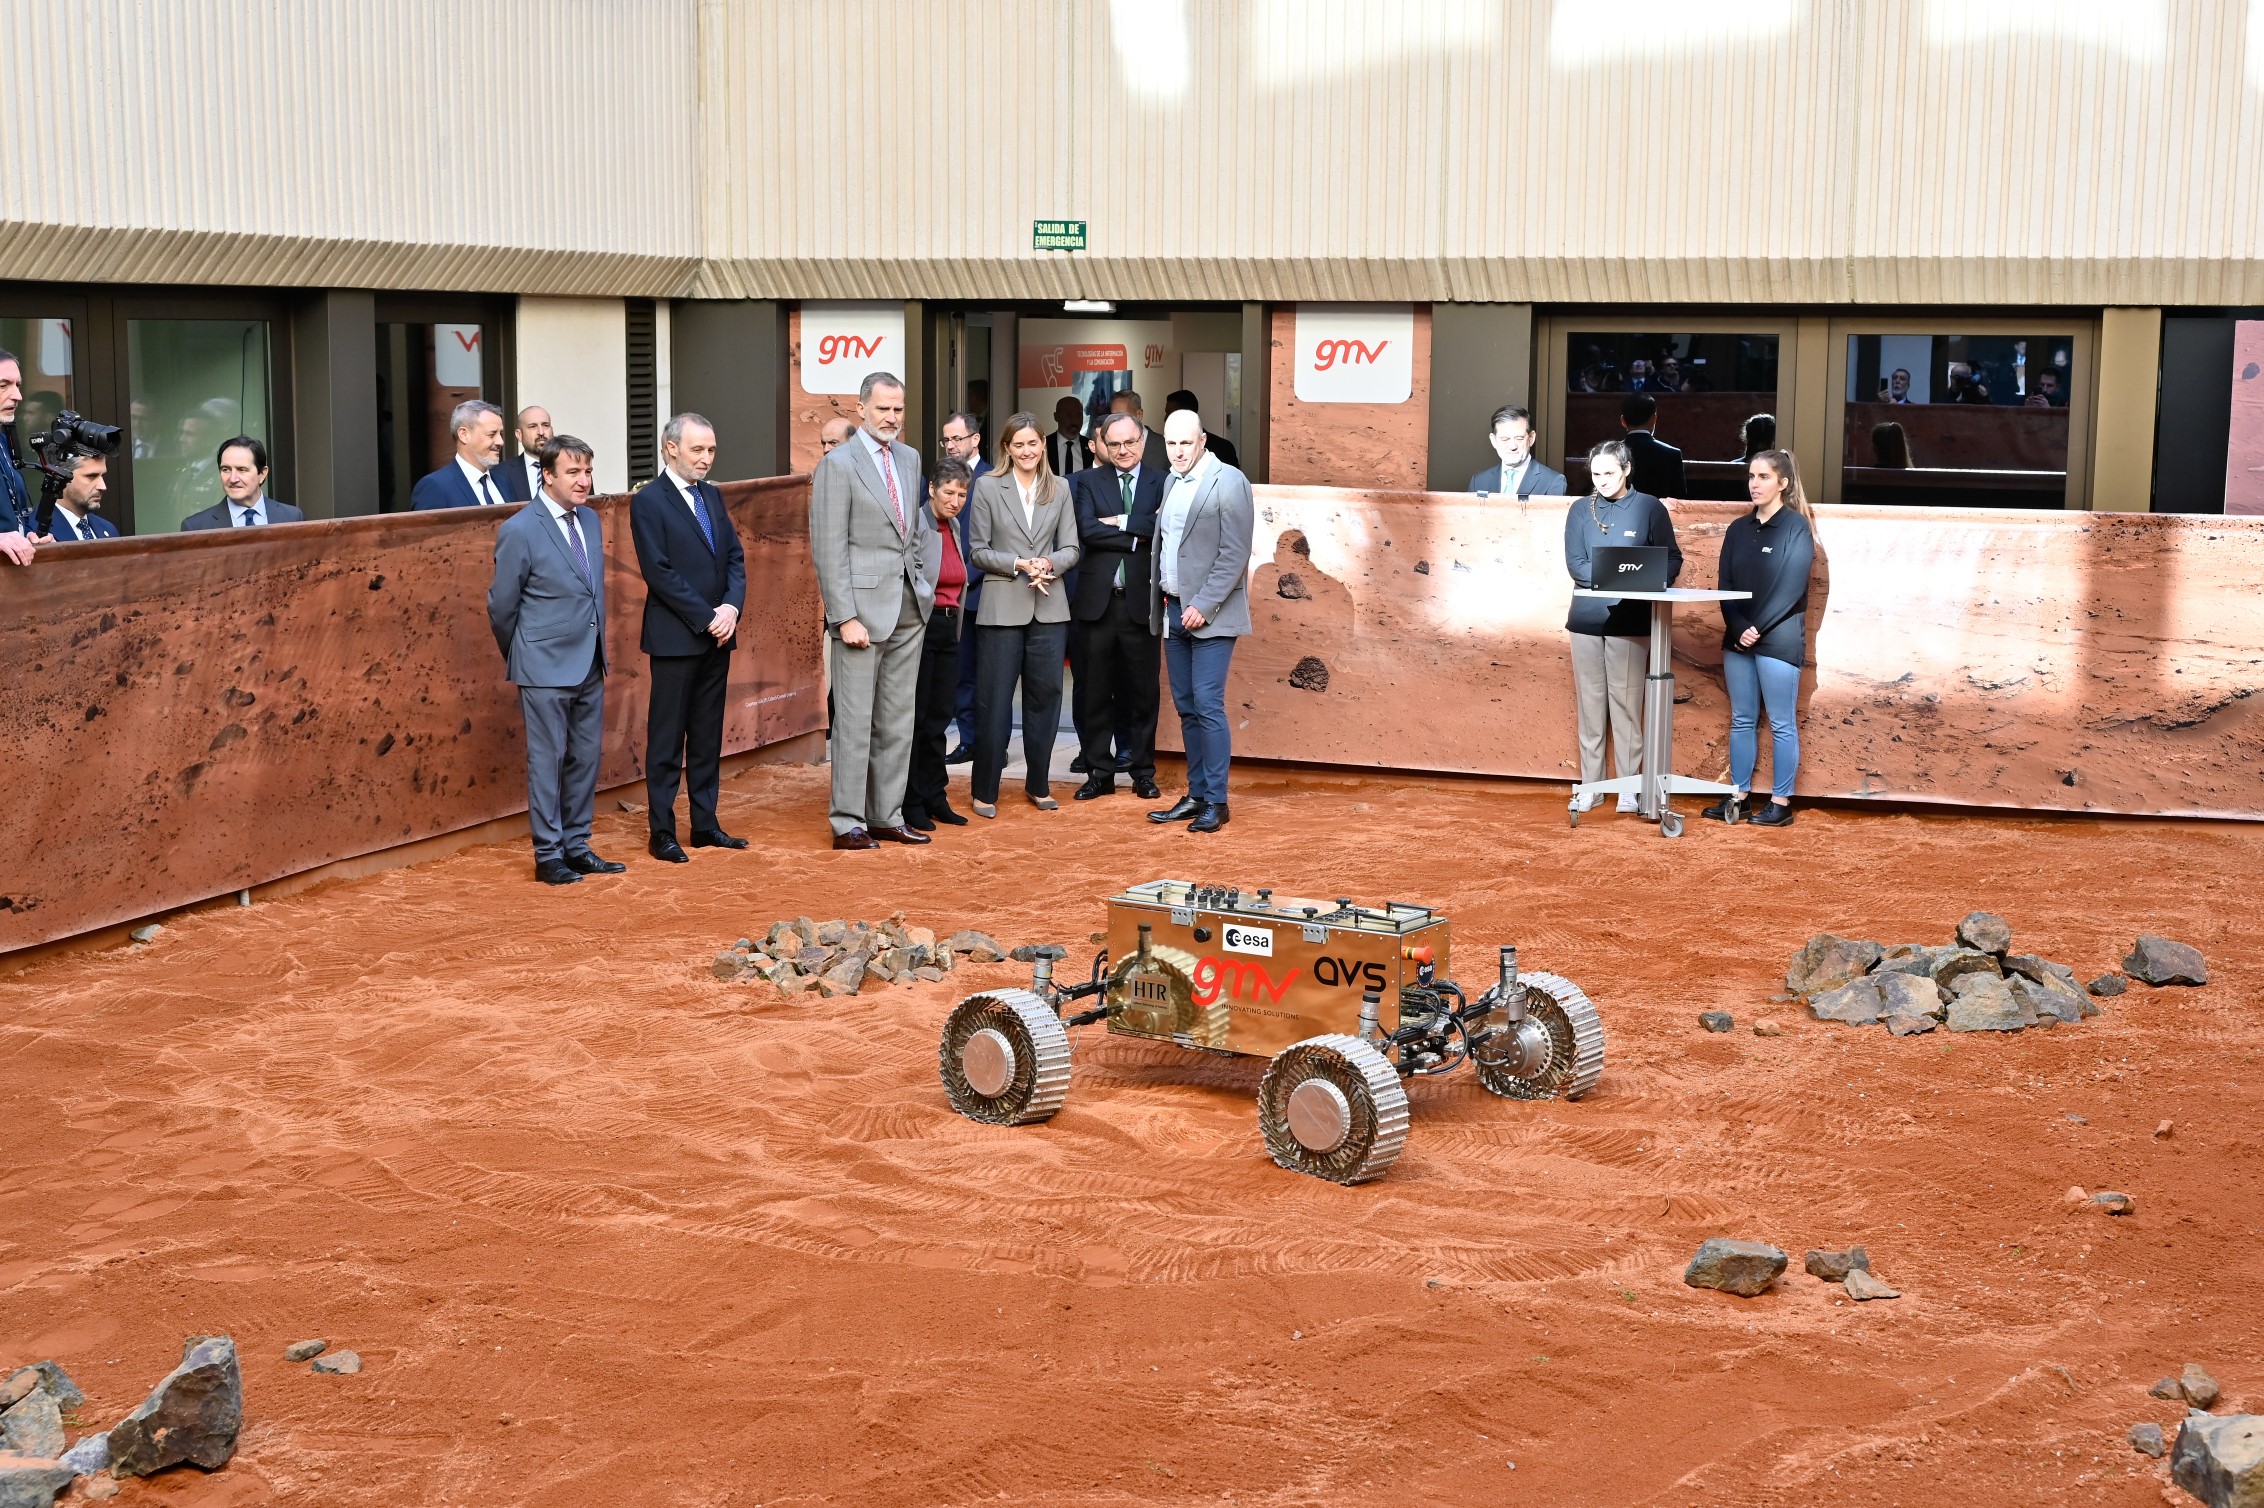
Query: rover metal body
{"points": [[1344, 1000]]}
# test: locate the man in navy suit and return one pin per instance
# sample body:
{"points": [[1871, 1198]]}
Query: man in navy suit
{"points": [[244, 503], [75, 518], [1658, 465], [520, 478], [547, 608], [1117, 690], [963, 442], [1520, 473], [466, 480], [16, 524], [695, 585]]}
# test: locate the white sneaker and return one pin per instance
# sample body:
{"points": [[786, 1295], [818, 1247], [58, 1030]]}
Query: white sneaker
{"points": [[1628, 803], [1583, 802]]}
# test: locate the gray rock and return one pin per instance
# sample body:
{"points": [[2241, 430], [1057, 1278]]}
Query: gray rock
{"points": [[1744, 1268], [813, 960], [2107, 984], [1825, 962], [2114, 1203], [305, 1350], [2051, 1002], [1834, 1266], [27, 1483], [2199, 1387], [338, 1364], [2169, 1388], [90, 1455], [2147, 1440], [146, 934], [1862, 1287], [979, 946], [33, 1426], [726, 965], [930, 974], [1985, 932], [1910, 1026], [830, 933], [2159, 961], [1717, 1021], [1856, 1002], [1908, 995], [193, 1415], [1985, 1003], [1953, 964], [99, 1488], [46, 1375], [1908, 958], [2221, 1461]]}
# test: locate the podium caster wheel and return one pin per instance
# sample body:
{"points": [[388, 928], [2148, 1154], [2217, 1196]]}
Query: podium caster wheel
{"points": [[1670, 824], [1572, 819]]}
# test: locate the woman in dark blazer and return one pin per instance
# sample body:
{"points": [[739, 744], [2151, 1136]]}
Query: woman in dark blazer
{"points": [[1768, 552], [1022, 536]]}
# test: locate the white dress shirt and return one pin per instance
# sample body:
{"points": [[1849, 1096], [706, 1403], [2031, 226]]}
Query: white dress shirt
{"points": [[1178, 501], [684, 491], [1513, 476], [258, 507], [1029, 504], [483, 487], [534, 475]]}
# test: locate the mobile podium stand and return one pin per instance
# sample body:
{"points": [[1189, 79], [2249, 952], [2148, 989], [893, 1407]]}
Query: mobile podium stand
{"points": [[1658, 784]]}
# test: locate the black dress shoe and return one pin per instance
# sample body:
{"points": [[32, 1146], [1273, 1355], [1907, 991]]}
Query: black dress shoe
{"points": [[918, 821], [665, 847], [555, 872], [946, 815], [1187, 807], [716, 838], [586, 862], [960, 755], [1772, 814], [856, 837], [897, 834], [1146, 790], [1078, 766], [1212, 818], [1095, 785]]}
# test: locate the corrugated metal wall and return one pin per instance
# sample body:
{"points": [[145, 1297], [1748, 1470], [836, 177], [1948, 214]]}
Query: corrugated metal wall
{"points": [[1830, 151]]}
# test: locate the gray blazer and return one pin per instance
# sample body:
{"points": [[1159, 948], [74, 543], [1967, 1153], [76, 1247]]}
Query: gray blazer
{"points": [[1540, 481], [864, 560], [1213, 565], [548, 621], [998, 534]]}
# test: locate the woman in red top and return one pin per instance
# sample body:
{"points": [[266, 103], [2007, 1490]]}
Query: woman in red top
{"points": [[937, 699]]}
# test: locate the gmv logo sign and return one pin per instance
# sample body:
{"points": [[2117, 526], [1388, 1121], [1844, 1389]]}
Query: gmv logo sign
{"points": [[1328, 353], [834, 348], [841, 343], [1354, 353]]}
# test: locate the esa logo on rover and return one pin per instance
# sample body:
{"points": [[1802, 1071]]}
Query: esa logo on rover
{"points": [[1235, 939]]}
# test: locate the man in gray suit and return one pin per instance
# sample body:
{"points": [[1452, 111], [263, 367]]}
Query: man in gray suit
{"points": [[547, 607], [1198, 600], [865, 538], [1520, 473]]}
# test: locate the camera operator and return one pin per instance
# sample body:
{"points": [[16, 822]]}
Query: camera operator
{"points": [[243, 477], [15, 499], [75, 517]]}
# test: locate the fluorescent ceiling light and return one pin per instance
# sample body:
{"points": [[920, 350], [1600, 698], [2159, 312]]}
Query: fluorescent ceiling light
{"points": [[1087, 306], [1153, 49]]}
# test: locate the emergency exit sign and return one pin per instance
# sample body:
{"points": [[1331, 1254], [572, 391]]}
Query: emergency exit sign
{"points": [[1057, 235]]}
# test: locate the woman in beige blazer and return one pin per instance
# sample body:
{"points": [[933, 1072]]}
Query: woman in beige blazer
{"points": [[1022, 535]]}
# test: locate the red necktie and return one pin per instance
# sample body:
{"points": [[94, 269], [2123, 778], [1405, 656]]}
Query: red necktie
{"points": [[888, 470]]}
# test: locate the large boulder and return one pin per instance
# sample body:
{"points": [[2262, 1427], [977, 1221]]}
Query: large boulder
{"points": [[2158, 961], [1985, 1003], [48, 1376], [1953, 964], [28, 1482], [193, 1415], [1985, 932], [1907, 995], [1824, 962], [1909, 958], [1855, 1002], [1834, 1266], [33, 1425], [1744, 1268], [2053, 1001], [2221, 1461]]}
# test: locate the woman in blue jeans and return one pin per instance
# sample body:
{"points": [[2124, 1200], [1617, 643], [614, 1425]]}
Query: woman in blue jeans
{"points": [[1769, 553]]}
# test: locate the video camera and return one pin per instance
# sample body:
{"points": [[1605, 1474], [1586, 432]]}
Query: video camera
{"points": [[57, 454]]}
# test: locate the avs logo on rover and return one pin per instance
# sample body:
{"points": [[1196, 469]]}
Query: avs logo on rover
{"points": [[1240, 939]]}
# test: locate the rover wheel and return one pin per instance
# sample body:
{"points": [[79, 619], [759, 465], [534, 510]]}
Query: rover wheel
{"points": [[1670, 824], [1332, 1107], [1556, 1052], [1004, 1058]]}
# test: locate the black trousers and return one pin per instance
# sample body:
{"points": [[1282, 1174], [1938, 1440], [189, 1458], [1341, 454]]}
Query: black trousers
{"points": [[1117, 693], [1031, 654], [684, 735], [935, 706]]}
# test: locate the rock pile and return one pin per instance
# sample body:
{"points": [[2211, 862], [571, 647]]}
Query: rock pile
{"points": [[193, 1416], [842, 958], [1974, 984]]}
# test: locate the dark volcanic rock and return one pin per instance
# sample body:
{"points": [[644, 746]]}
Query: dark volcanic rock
{"points": [[1826, 962], [338, 1363], [1744, 1268], [2221, 1461], [1985, 1003], [1855, 1002], [1953, 964], [2053, 1001], [29, 1483], [193, 1415], [2199, 1387], [2147, 1440], [1310, 674], [47, 1375], [1908, 995], [2159, 961], [1292, 586], [1985, 932], [1717, 1021], [2107, 984], [1909, 958], [33, 1426], [1834, 1266]]}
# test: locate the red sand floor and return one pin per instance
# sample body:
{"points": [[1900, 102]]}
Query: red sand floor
{"points": [[610, 1232]]}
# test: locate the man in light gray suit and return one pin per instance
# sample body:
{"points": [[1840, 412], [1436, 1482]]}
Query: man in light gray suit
{"points": [[865, 538], [1198, 599], [1520, 473], [547, 607]]}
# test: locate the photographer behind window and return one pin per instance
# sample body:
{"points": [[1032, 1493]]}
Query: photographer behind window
{"points": [[15, 499], [243, 478], [74, 517]]}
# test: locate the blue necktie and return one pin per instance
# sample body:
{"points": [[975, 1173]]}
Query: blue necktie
{"points": [[581, 556], [699, 511]]}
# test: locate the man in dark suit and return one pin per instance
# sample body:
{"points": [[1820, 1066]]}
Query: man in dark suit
{"points": [[695, 585], [1116, 690], [520, 479], [1658, 465], [1066, 450], [466, 479], [1151, 454], [547, 607], [244, 503], [1213, 444], [75, 518], [16, 522], [963, 442], [1520, 473]]}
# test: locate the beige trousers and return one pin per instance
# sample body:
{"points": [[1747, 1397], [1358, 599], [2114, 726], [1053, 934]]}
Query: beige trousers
{"points": [[1607, 678]]}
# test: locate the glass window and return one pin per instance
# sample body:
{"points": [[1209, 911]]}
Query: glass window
{"points": [[43, 347], [193, 384], [1969, 421], [1708, 388], [423, 372]]}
